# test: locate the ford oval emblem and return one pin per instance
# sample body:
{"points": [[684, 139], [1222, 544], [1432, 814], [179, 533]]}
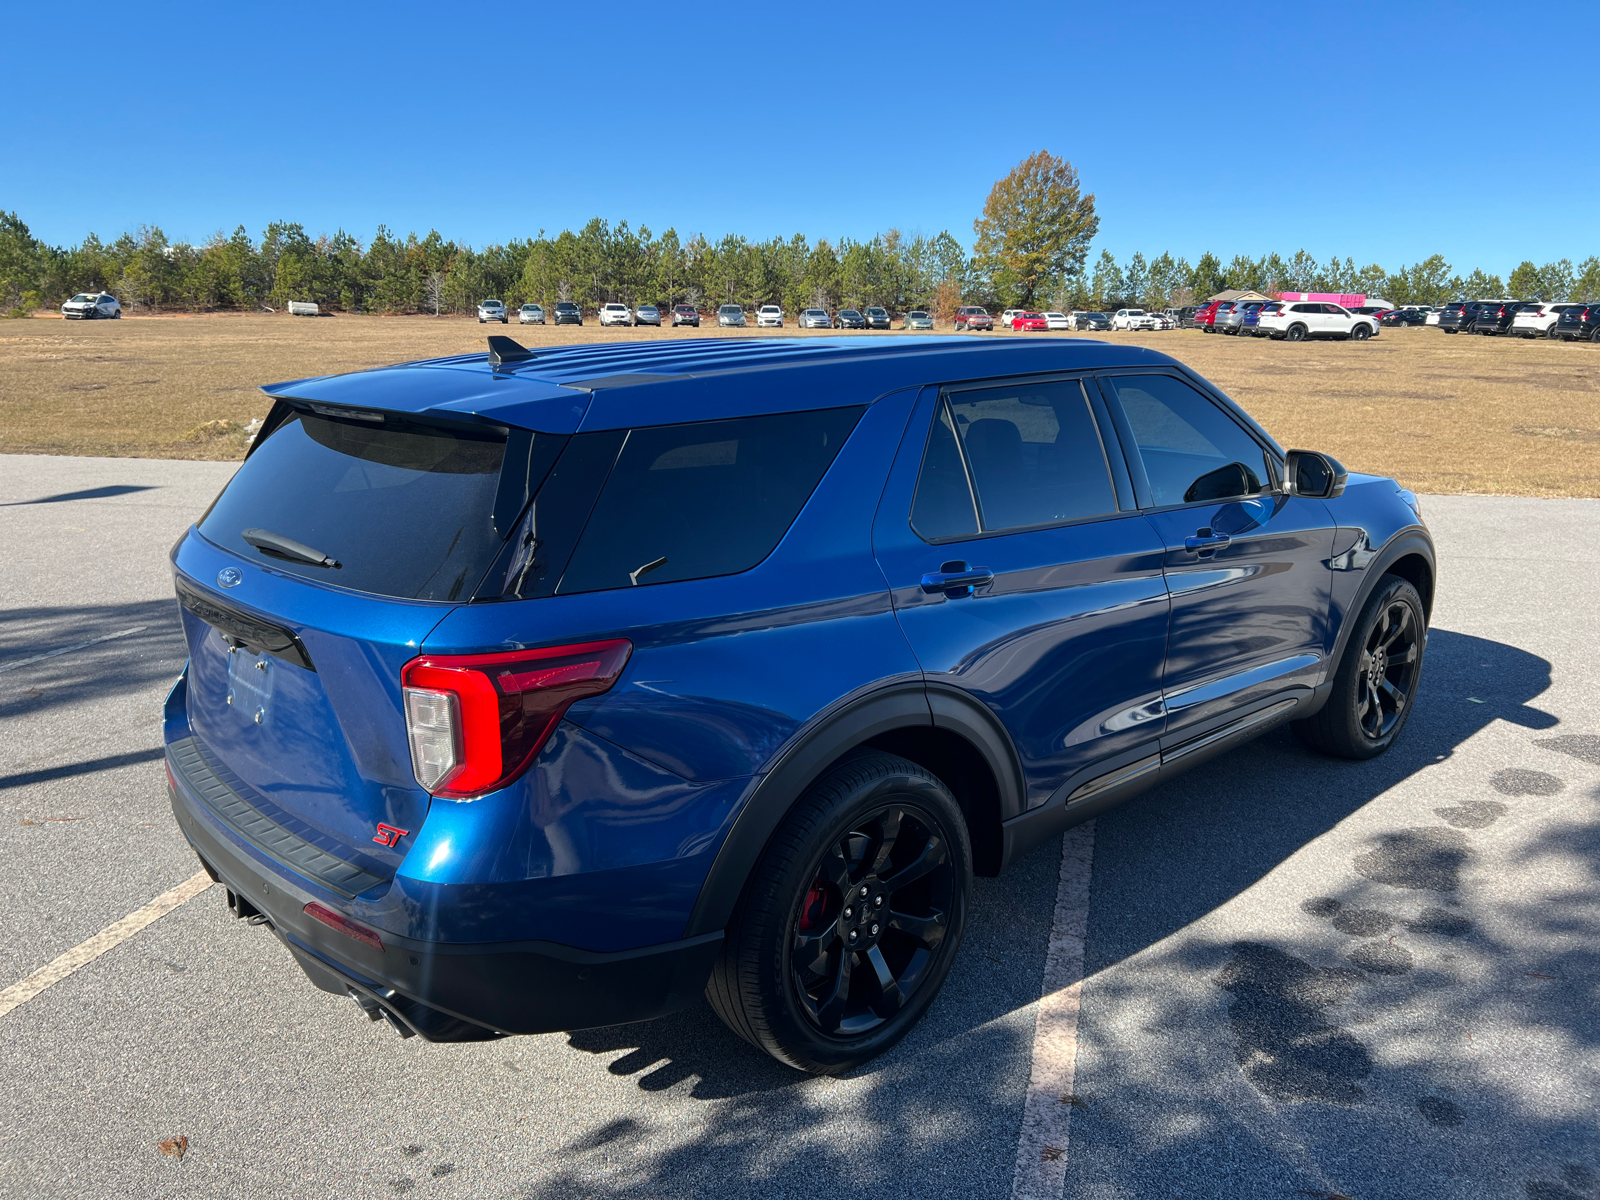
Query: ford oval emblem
{"points": [[230, 577]]}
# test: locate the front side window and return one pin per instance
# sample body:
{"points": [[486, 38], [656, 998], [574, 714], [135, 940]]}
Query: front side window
{"points": [[711, 498], [1192, 451], [1031, 452]]}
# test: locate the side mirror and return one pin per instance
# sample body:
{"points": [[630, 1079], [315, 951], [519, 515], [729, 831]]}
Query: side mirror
{"points": [[1317, 476]]}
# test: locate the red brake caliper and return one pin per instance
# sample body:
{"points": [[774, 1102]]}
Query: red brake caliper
{"points": [[815, 907]]}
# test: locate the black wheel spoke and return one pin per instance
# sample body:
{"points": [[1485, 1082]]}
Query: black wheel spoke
{"points": [[1395, 694], [888, 831], [835, 869], [831, 1006], [935, 854], [1401, 657], [926, 931], [889, 997], [810, 952], [1399, 627]]}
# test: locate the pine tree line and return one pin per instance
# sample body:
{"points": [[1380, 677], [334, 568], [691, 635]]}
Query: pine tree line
{"points": [[604, 262]]}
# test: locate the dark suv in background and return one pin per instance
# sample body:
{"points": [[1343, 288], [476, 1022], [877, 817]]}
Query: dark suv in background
{"points": [[552, 689], [567, 313], [1495, 317], [1579, 323]]}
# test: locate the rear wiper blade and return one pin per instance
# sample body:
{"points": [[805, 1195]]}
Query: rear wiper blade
{"points": [[278, 546]]}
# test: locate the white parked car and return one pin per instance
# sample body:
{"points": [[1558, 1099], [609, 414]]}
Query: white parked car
{"points": [[1055, 320], [1006, 317], [530, 314], [1433, 315], [92, 306], [492, 310], [769, 316], [1540, 321], [730, 316], [1310, 319], [1132, 318], [1161, 320], [615, 314]]}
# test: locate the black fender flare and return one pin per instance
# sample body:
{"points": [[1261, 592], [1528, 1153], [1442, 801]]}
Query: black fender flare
{"points": [[1413, 539], [831, 734]]}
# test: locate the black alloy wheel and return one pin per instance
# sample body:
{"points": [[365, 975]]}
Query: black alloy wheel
{"points": [[851, 919], [1361, 333], [1297, 333], [1554, 332], [1595, 336], [1376, 684]]}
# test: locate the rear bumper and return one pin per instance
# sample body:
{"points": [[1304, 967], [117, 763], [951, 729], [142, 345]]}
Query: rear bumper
{"points": [[454, 991]]}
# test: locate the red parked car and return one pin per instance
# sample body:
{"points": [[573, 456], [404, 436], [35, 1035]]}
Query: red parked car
{"points": [[1029, 321], [1206, 318]]}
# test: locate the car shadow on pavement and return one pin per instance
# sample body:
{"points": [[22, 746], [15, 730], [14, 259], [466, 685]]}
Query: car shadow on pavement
{"points": [[129, 648], [1162, 862]]}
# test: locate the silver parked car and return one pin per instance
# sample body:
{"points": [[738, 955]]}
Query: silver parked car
{"points": [[647, 314], [492, 310], [917, 319], [92, 306], [815, 318], [530, 314], [730, 315]]}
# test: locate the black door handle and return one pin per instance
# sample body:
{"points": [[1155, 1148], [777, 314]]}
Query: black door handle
{"points": [[956, 579], [1206, 541]]}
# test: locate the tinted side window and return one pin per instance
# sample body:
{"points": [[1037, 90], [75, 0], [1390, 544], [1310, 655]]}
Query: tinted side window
{"points": [[1192, 450], [1035, 454], [713, 498], [943, 505]]}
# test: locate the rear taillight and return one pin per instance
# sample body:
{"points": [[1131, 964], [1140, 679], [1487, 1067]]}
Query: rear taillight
{"points": [[476, 721]]}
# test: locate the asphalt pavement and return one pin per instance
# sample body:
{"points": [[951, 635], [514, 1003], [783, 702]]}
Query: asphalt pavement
{"points": [[1301, 977]]}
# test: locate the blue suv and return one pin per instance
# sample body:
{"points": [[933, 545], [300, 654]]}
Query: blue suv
{"points": [[545, 690]]}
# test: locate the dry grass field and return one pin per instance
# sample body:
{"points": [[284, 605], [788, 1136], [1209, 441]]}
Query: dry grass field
{"points": [[1439, 413]]}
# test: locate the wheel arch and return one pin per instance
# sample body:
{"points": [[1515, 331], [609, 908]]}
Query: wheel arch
{"points": [[1410, 555], [945, 731]]}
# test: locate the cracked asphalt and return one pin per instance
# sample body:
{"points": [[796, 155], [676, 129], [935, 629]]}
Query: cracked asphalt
{"points": [[1303, 977]]}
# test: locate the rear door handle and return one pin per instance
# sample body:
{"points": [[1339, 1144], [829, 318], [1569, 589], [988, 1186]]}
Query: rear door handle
{"points": [[1205, 541], [956, 580]]}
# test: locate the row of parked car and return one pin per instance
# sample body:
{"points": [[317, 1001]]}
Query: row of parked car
{"points": [[768, 316], [1298, 320], [1567, 322]]}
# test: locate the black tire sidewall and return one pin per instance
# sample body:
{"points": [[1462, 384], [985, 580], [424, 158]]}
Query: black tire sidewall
{"points": [[779, 884]]}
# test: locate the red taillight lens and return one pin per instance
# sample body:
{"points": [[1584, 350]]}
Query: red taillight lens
{"points": [[476, 721], [344, 925]]}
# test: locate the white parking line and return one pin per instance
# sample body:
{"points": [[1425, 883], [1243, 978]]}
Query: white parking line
{"points": [[110, 637], [1041, 1170], [84, 953]]}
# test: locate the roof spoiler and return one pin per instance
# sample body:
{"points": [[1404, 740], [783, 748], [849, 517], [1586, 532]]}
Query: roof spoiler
{"points": [[503, 350]]}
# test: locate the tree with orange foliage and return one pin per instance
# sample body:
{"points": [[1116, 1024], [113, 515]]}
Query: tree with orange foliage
{"points": [[1035, 230]]}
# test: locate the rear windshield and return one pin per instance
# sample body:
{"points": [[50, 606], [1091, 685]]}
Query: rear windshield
{"points": [[671, 502], [406, 510]]}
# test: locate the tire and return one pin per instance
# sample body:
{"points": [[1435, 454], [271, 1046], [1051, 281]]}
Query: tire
{"points": [[870, 809], [1296, 333], [1360, 333], [1552, 334], [1348, 726], [1595, 337], [1452, 331]]}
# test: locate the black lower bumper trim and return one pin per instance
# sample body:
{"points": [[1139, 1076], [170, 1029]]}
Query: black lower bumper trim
{"points": [[498, 987]]}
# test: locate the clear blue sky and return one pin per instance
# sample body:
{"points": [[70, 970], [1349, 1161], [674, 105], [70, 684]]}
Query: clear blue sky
{"points": [[1383, 131]]}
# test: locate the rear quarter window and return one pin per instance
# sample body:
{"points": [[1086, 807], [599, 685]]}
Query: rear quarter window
{"points": [[705, 499]]}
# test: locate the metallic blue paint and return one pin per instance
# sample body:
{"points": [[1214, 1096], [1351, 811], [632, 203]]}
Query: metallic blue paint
{"points": [[1093, 642]]}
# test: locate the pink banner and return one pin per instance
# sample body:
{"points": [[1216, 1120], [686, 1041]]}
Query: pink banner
{"points": [[1342, 299]]}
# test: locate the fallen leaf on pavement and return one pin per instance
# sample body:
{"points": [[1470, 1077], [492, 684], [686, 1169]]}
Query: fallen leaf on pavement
{"points": [[1049, 1154], [1075, 1101], [174, 1147]]}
